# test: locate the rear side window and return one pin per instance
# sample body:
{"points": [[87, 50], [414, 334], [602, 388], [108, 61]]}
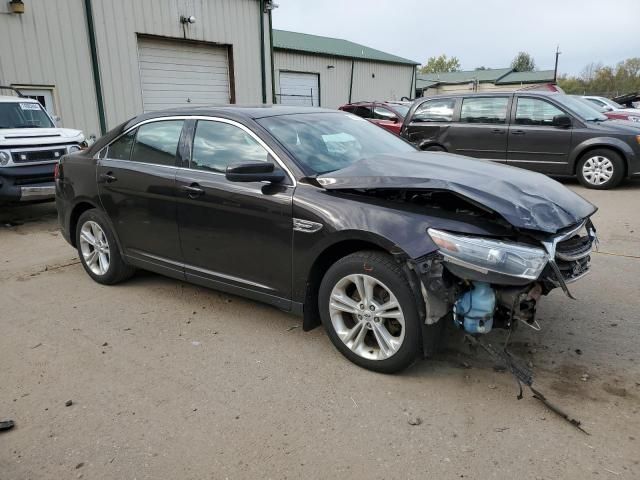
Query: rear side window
{"points": [[121, 148], [217, 145], [362, 111], [437, 110], [484, 110], [157, 142], [532, 111]]}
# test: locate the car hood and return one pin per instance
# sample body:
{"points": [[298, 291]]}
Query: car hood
{"points": [[41, 136], [525, 199], [613, 125]]}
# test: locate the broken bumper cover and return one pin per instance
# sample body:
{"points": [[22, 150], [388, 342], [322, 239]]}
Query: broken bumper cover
{"points": [[518, 273]]}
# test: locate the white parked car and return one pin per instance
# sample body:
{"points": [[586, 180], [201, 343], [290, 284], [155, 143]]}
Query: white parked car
{"points": [[30, 147], [609, 105]]}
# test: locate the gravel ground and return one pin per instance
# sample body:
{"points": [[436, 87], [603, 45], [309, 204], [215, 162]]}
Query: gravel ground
{"points": [[169, 380]]}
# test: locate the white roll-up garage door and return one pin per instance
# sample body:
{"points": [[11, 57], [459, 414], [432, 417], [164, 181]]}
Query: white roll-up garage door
{"points": [[299, 89], [175, 74]]}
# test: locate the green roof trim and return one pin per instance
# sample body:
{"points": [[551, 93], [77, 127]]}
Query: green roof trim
{"points": [[542, 76], [499, 76], [465, 76], [304, 42]]}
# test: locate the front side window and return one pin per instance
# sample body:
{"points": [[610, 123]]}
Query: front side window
{"points": [[484, 110], [217, 145], [23, 115], [157, 142], [437, 110], [532, 111], [121, 148]]}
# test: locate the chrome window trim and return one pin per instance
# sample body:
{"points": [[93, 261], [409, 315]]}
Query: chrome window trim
{"points": [[206, 118]]}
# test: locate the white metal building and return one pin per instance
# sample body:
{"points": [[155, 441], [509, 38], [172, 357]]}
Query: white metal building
{"points": [[329, 72], [96, 63]]}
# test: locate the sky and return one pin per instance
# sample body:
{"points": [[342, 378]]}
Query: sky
{"points": [[479, 32]]}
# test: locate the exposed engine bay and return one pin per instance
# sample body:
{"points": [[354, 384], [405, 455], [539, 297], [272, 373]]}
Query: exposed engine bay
{"points": [[482, 291]]}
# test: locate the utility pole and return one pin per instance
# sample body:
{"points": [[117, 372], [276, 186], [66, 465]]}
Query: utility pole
{"points": [[555, 70]]}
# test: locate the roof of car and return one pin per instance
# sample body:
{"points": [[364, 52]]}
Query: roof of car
{"points": [[492, 93], [230, 111], [14, 99]]}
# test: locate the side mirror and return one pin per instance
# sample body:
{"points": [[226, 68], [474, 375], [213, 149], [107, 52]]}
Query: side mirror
{"points": [[254, 172], [562, 121]]}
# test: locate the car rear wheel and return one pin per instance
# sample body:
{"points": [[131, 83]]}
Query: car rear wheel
{"points": [[369, 312], [600, 169], [98, 250]]}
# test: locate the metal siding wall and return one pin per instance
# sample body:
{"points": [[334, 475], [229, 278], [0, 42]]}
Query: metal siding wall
{"points": [[391, 81], [232, 22], [334, 82], [48, 45]]}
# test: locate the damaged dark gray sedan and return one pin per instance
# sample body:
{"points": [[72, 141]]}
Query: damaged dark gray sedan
{"points": [[325, 215]]}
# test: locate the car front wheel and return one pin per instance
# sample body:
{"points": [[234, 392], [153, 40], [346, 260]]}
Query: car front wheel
{"points": [[98, 250], [369, 312], [600, 169]]}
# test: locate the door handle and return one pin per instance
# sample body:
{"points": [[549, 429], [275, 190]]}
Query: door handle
{"points": [[108, 177], [498, 131], [518, 132], [193, 190]]}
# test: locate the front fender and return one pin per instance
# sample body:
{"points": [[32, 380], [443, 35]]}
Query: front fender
{"points": [[628, 154]]}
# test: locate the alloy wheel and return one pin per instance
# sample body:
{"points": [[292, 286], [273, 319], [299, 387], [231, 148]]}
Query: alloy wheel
{"points": [[367, 317], [95, 247], [597, 170]]}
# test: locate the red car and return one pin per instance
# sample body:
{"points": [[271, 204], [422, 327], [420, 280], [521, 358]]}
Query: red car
{"points": [[388, 115]]}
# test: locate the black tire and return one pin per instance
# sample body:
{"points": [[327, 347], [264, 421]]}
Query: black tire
{"points": [[614, 159], [117, 270], [384, 269], [434, 148]]}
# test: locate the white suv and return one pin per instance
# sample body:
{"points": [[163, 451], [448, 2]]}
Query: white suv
{"points": [[30, 147]]}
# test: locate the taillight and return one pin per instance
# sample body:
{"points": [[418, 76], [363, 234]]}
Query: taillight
{"points": [[57, 171]]}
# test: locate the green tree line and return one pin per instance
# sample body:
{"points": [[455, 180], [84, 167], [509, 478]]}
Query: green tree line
{"points": [[599, 79]]}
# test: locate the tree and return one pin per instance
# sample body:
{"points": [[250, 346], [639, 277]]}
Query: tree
{"points": [[523, 62], [599, 79], [440, 64]]}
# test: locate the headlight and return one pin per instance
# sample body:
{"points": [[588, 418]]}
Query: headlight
{"points": [[5, 158], [485, 255], [73, 148]]}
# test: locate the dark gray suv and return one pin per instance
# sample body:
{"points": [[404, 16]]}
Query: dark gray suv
{"points": [[550, 133]]}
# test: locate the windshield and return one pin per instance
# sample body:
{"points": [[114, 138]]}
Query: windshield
{"points": [[581, 107], [324, 142], [23, 115]]}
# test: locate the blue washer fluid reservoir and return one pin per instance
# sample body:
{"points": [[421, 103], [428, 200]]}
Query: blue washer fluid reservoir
{"points": [[473, 311]]}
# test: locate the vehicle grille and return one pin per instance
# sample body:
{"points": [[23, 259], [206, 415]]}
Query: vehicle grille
{"points": [[574, 248], [38, 155], [573, 255]]}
